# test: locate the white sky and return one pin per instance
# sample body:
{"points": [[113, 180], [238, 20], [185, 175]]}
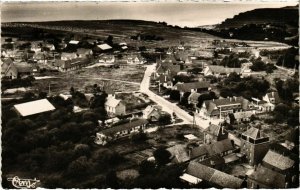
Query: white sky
{"points": [[182, 14]]}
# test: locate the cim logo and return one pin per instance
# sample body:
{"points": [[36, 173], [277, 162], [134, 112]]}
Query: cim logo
{"points": [[23, 183]]}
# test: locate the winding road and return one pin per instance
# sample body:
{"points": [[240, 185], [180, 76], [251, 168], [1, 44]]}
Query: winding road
{"points": [[168, 106]]}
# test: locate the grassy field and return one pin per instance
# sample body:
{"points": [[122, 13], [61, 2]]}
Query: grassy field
{"points": [[89, 76]]}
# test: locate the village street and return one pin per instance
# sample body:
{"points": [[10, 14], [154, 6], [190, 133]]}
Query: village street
{"points": [[168, 106]]}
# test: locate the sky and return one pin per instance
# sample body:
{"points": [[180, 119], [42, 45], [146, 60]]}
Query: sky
{"points": [[184, 13]]}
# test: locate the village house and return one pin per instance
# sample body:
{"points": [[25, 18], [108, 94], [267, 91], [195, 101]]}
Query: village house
{"points": [[84, 53], [68, 56], [16, 70], [152, 113], [254, 145], [197, 172], [104, 47], [34, 107], [134, 60], [239, 117], [106, 59], [214, 133], [115, 106], [40, 57], [216, 154], [262, 105], [166, 81], [191, 87], [193, 98], [220, 108], [275, 171], [178, 153], [120, 130], [72, 64], [272, 97], [220, 71]]}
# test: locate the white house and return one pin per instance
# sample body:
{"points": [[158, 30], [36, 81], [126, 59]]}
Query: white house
{"points": [[115, 106]]}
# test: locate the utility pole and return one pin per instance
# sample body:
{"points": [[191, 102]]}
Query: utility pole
{"points": [[49, 91]]}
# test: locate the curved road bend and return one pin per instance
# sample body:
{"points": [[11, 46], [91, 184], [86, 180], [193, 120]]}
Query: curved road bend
{"points": [[168, 106]]}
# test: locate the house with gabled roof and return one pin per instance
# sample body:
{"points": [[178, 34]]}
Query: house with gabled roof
{"points": [[275, 171], [218, 179], [272, 97], [34, 107], [200, 86], [254, 145], [214, 133], [16, 70], [178, 153], [220, 71], [120, 130], [193, 98], [115, 106], [220, 108], [152, 112], [84, 52]]}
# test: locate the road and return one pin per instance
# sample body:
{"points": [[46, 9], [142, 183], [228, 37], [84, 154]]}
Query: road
{"points": [[168, 106]]}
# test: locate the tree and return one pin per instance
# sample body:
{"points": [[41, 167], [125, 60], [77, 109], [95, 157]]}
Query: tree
{"points": [[258, 65], [147, 167], [109, 40], [112, 180], [174, 95], [164, 119], [162, 156], [79, 168]]}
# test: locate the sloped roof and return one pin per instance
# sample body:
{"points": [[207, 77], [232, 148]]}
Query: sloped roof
{"points": [[23, 68], [104, 46], [186, 87], [178, 153], [221, 146], [268, 177], [194, 96], [83, 51], [241, 115], [198, 151], [278, 160], [254, 133], [213, 130], [223, 70], [124, 126], [214, 176], [73, 42], [275, 96], [211, 104], [149, 109], [34, 107], [112, 102]]}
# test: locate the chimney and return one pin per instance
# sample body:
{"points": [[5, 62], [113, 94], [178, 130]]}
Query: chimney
{"points": [[213, 99], [230, 99], [272, 94]]}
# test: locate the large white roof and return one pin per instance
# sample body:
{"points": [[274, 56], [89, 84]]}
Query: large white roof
{"points": [[73, 42], [104, 46], [34, 107]]}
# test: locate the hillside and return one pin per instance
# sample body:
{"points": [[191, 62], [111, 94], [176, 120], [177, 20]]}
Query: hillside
{"points": [[121, 30], [269, 24], [278, 16]]}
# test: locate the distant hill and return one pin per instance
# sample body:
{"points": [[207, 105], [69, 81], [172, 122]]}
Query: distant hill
{"points": [[271, 24], [281, 16], [120, 30]]}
